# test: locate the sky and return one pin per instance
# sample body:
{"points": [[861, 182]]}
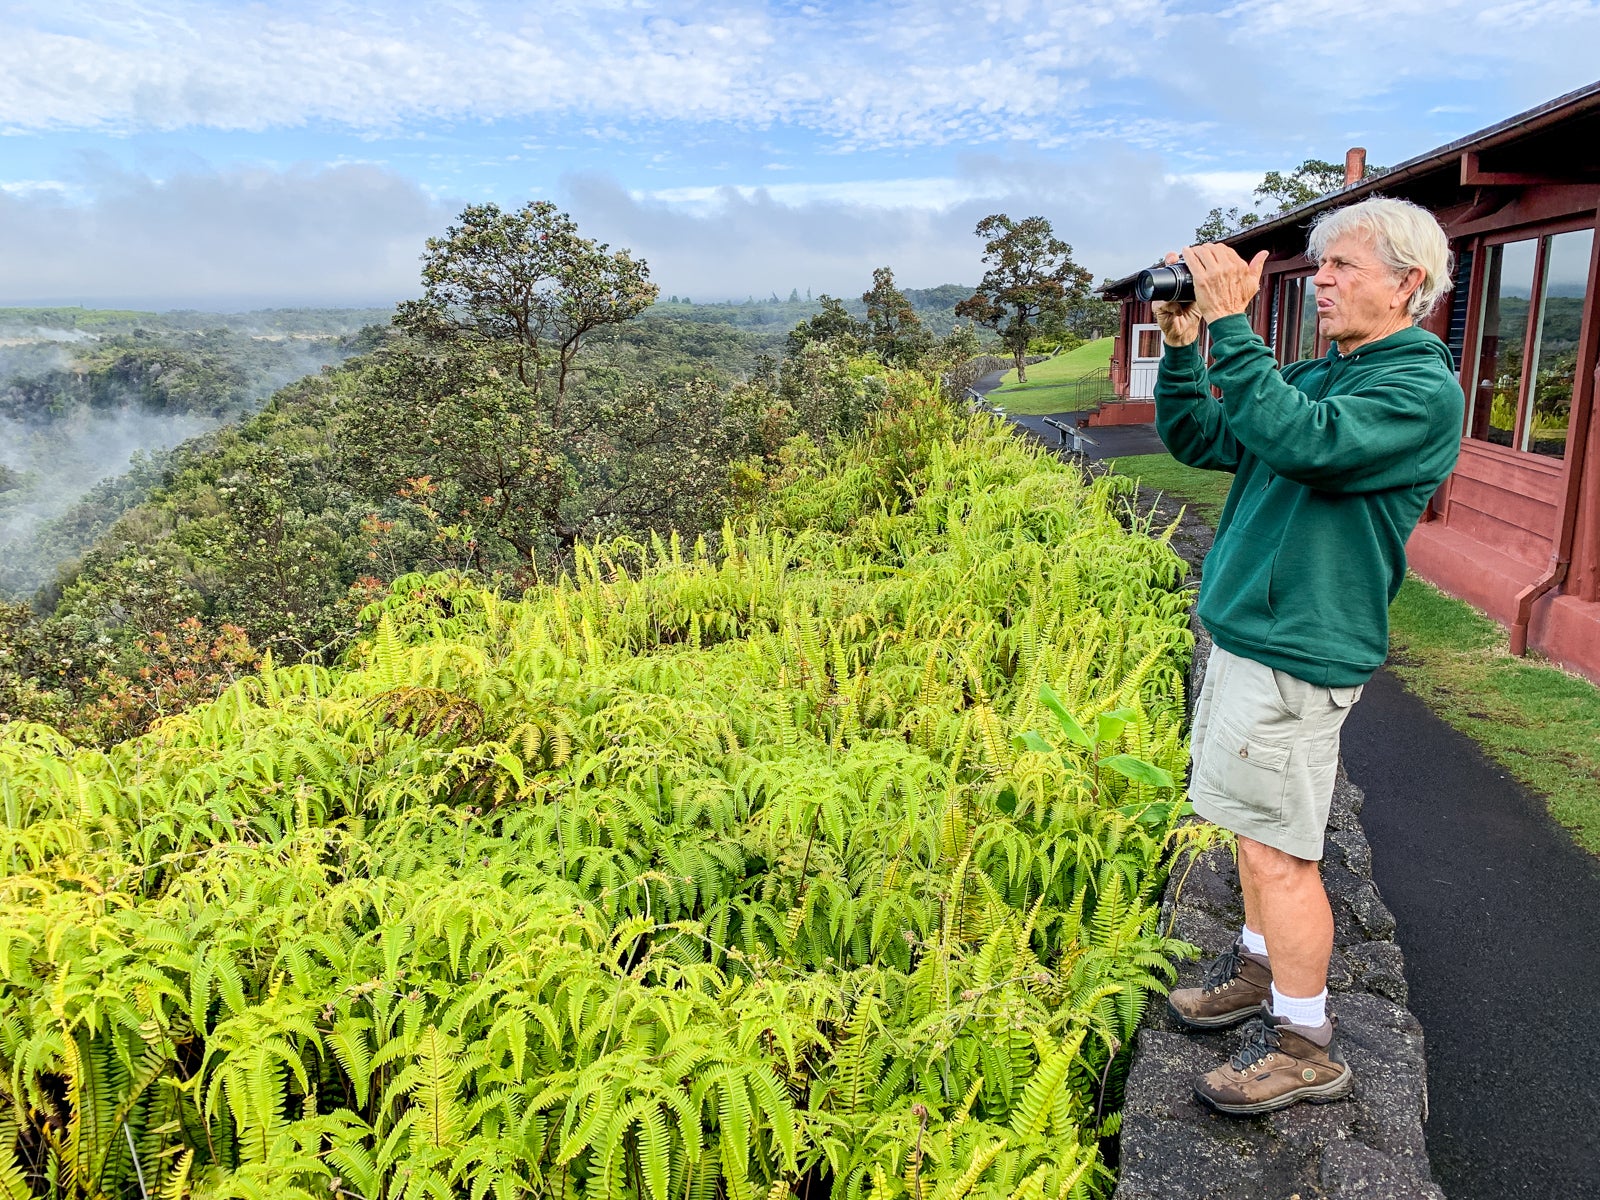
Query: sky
{"points": [[170, 153]]}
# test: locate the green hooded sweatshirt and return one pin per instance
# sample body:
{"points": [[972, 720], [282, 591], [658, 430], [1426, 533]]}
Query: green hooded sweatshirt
{"points": [[1334, 461]]}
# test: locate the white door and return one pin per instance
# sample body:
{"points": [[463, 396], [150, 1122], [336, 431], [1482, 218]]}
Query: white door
{"points": [[1144, 358]]}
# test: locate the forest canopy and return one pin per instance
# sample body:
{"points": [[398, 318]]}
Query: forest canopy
{"points": [[531, 398]]}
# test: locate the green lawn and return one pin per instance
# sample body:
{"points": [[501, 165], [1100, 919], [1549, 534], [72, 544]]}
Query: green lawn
{"points": [[1204, 491], [1535, 720], [1053, 386]]}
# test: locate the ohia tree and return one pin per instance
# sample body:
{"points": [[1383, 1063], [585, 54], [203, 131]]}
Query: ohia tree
{"points": [[1031, 279]]}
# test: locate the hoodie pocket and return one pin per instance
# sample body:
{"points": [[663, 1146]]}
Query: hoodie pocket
{"points": [[1237, 587]]}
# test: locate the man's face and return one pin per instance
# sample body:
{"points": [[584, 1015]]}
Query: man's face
{"points": [[1359, 300]]}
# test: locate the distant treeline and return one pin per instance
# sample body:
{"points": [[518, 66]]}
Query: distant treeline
{"points": [[103, 322], [936, 306]]}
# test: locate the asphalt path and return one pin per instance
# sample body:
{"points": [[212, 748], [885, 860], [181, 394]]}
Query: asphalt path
{"points": [[1106, 441], [1499, 919]]}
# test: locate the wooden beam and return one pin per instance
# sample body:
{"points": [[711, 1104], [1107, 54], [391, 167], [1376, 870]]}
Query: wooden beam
{"points": [[1473, 175]]}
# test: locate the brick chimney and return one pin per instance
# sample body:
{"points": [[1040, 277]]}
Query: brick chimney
{"points": [[1355, 164]]}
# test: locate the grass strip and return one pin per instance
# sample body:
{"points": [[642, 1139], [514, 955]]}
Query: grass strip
{"points": [[1054, 386], [1538, 722]]}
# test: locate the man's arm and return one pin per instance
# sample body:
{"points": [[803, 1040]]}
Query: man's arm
{"points": [[1191, 423], [1338, 443]]}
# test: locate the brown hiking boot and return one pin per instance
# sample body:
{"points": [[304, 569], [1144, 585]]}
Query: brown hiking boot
{"points": [[1280, 1064], [1235, 986]]}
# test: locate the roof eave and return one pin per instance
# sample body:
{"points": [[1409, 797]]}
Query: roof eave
{"points": [[1571, 104]]}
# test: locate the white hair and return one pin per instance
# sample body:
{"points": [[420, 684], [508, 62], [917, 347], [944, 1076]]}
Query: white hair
{"points": [[1404, 235]]}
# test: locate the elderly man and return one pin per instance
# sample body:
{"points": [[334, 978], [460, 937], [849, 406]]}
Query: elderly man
{"points": [[1334, 460]]}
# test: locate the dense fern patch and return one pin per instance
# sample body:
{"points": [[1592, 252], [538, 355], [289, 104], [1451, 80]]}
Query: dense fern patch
{"points": [[703, 873]]}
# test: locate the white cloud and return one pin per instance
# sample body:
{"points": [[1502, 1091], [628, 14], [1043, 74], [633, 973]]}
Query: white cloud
{"points": [[898, 73], [1348, 51], [935, 193], [239, 238], [1117, 209], [878, 75], [1221, 187], [353, 234], [31, 187]]}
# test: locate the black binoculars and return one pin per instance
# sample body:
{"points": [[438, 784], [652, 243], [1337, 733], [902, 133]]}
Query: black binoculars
{"points": [[1170, 282]]}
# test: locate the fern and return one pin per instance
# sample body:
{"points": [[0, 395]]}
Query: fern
{"points": [[684, 877]]}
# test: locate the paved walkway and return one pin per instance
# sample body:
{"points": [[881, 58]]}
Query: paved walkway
{"points": [[1110, 441], [1499, 917]]}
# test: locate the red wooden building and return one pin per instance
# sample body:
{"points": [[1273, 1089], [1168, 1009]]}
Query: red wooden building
{"points": [[1516, 528]]}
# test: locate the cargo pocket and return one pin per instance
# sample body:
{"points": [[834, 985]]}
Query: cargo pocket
{"points": [[1247, 774], [1345, 697], [1324, 752]]}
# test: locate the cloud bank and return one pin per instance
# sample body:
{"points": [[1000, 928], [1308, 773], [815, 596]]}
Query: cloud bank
{"points": [[242, 238], [230, 239]]}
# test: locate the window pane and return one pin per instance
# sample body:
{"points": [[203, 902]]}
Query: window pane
{"points": [[1555, 349], [1458, 307], [1296, 319], [1149, 344], [1308, 319], [1497, 380]]}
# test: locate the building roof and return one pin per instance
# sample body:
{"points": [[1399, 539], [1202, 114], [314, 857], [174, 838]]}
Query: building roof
{"points": [[1575, 104]]}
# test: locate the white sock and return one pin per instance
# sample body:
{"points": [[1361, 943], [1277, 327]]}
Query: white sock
{"points": [[1253, 941], [1311, 1013]]}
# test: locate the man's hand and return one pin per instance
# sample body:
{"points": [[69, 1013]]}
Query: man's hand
{"points": [[1224, 284], [1180, 323]]}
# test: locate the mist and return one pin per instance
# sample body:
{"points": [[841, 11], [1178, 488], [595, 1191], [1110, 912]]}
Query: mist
{"points": [[71, 425], [48, 467]]}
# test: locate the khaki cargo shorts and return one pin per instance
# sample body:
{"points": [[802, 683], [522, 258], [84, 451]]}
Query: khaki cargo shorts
{"points": [[1266, 749]]}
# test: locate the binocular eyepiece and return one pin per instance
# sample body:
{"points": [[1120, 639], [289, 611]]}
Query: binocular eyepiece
{"points": [[1170, 282]]}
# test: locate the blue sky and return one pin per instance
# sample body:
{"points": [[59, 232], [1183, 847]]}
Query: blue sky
{"points": [[168, 152]]}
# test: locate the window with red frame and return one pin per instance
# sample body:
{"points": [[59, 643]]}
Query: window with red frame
{"points": [[1524, 365], [1294, 319]]}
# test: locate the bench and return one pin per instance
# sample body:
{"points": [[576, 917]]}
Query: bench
{"points": [[1072, 433]]}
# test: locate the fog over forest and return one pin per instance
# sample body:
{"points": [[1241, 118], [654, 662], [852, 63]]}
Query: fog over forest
{"points": [[48, 466], [94, 402], [88, 414]]}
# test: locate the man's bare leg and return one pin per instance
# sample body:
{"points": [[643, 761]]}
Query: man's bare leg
{"points": [[1284, 899], [1297, 1039], [1247, 885]]}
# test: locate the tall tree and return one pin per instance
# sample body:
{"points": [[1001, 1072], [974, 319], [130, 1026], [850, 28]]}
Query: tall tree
{"points": [[1278, 191], [526, 281], [1305, 183], [833, 324], [479, 404], [893, 327], [1030, 277], [505, 440], [1219, 223]]}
